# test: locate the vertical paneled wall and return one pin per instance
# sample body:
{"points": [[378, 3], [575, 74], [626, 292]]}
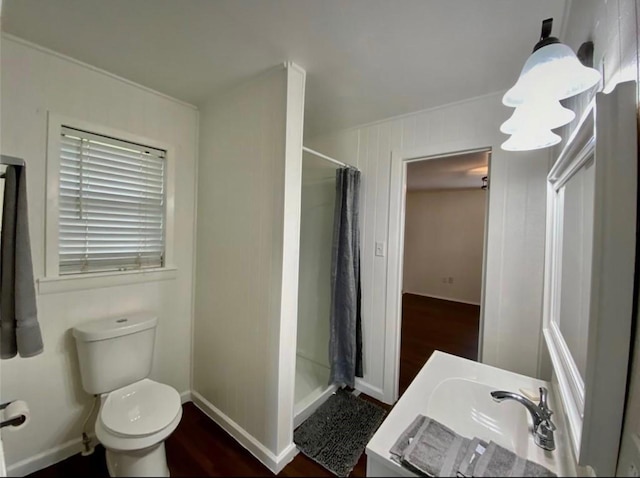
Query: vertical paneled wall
{"points": [[513, 302], [35, 81], [249, 182], [240, 227]]}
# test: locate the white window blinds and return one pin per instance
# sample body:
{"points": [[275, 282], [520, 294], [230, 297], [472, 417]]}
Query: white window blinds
{"points": [[112, 206]]}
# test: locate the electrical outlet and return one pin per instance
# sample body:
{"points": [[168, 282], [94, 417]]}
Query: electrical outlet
{"points": [[633, 470], [380, 249]]}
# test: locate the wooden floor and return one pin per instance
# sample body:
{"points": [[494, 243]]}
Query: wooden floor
{"points": [[434, 324], [199, 447]]}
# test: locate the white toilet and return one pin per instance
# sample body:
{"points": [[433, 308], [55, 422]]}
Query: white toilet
{"points": [[136, 414]]}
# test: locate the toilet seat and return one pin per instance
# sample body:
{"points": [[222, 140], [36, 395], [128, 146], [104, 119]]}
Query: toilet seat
{"points": [[138, 416], [140, 409]]}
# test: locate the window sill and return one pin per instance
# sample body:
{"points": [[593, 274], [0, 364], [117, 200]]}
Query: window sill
{"points": [[53, 285]]}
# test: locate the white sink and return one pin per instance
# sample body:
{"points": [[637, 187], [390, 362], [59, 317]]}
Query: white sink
{"points": [[456, 392], [477, 415]]}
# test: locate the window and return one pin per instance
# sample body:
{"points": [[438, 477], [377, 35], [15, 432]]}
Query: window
{"points": [[111, 204]]}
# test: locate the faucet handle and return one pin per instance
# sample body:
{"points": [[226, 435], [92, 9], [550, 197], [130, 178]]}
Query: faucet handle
{"points": [[544, 393], [545, 411]]}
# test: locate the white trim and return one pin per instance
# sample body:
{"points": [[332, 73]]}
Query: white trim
{"points": [[370, 390], [193, 253], [47, 458], [441, 297], [292, 204], [185, 397], [61, 452], [594, 406], [35, 46], [395, 253], [414, 113], [244, 438], [55, 122], [57, 284]]}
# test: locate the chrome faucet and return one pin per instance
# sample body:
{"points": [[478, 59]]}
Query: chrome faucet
{"points": [[543, 427]]}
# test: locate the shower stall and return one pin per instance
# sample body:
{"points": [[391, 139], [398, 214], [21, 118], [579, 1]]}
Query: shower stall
{"points": [[312, 386]]}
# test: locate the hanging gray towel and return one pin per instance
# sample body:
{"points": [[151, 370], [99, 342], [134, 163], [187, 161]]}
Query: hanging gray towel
{"points": [[19, 328], [345, 341]]}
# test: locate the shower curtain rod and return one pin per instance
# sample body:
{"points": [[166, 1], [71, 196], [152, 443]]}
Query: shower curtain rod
{"points": [[335, 161]]}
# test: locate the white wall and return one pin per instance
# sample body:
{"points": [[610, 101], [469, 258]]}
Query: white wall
{"points": [[247, 270], [443, 238], [614, 28], [35, 81], [316, 240], [515, 255]]}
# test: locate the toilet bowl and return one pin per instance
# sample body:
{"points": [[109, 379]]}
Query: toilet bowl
{"points": [[133, 423], [136, 414]]}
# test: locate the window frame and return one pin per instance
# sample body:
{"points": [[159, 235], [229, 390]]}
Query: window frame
{"points": [[52, 280]]}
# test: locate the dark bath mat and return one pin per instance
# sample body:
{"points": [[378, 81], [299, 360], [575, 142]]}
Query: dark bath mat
{"points": [[338, 432]]}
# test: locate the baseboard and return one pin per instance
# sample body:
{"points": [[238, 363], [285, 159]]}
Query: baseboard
{"points": [[186, 397], [248, 441], [450, 299], [367, 389], [48, 457], [61, 452]]}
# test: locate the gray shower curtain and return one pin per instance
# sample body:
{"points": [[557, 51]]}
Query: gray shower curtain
{"points": [[345, 342]]}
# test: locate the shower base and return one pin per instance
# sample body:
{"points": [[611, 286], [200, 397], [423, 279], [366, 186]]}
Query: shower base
{"points": [[312, 388]]}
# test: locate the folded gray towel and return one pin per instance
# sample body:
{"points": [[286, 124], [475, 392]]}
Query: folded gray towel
{"points": [[405, 438], [436, 450], [474, 451], [498, 461]]}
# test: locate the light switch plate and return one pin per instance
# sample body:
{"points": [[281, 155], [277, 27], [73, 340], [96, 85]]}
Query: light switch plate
{"points": [[380, 248]]}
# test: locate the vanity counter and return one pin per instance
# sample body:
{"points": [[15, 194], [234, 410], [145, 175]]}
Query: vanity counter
{"points": [[456, 392]]}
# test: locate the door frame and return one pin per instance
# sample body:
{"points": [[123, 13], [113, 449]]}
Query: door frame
{"points": [[395, 256]]}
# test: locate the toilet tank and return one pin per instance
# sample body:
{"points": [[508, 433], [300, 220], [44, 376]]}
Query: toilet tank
{"points": [[115, 352]]}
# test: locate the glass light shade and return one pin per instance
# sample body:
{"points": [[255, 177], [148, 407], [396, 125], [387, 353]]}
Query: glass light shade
{"points": [[538, 115], [530, 140], [552, 72]]}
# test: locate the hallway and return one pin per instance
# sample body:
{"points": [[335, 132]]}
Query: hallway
{"points": [[433, 324]]}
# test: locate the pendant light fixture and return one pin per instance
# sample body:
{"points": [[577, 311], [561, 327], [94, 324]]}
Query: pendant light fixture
{"points": [[530, 140], [536, 115], [552, 73]]}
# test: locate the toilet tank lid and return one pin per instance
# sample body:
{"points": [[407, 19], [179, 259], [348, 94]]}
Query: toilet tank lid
{"points": [[102, 329]]}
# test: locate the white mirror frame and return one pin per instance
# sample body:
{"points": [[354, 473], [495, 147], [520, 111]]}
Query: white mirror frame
{"points": [[594, 407]]}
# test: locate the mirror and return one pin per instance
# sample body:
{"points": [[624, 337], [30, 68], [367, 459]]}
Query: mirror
{"points": [[589, 274], [575, 252]]}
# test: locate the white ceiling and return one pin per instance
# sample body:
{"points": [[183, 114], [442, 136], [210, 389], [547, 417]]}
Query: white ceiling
{"points": [[365, 59], [463, 171]]}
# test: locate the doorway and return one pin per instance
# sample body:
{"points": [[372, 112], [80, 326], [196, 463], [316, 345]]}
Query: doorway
{"points": [[445, 219]]}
